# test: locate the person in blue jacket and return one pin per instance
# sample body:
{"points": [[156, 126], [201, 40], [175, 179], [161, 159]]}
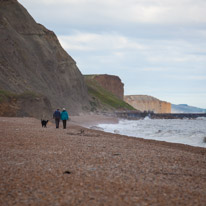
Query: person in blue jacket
{"points": [[57, 117], [64, 117]]}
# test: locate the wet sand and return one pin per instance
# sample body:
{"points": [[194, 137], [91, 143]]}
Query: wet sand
{"points": [[79, 166]]}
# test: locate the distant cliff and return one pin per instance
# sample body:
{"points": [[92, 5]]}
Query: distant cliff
{"points": [[32, 60], [148, 103], [111, 83], [106, 93], [184, 108]]}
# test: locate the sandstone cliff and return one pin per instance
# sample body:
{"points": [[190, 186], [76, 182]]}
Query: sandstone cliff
{"points": [[32, 59], [148, 103], [111, 83]]}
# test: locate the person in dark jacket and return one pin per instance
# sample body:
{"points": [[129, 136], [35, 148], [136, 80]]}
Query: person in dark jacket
{"points": [[64, 117], [57, 117]]}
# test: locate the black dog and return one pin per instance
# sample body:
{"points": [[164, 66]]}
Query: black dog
{"points": [[44, 122]]}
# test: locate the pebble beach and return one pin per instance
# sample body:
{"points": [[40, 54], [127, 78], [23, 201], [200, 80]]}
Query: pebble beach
{"points": [[81, 166]]}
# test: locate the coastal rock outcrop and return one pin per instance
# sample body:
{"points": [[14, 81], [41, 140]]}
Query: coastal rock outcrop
{"points": [[148, 103], [32, 59], [111, 83]]}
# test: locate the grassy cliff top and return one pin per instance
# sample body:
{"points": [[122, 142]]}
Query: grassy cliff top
{"points": [[102, 97]]}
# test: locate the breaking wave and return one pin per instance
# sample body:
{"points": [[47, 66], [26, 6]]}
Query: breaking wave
{"points": [[184, 131]]}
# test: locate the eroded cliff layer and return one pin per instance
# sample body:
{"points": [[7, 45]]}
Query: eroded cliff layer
{"points": [[148, 103], [32, 59], [111, 83]]}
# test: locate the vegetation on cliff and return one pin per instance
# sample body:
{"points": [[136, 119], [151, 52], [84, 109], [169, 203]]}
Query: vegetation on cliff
{"points": [[103, 99]]}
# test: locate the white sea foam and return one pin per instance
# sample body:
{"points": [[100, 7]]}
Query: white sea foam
{"points": [[185, 131]]}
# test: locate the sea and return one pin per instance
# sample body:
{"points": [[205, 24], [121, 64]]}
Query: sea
{"points": [[185, 131]]}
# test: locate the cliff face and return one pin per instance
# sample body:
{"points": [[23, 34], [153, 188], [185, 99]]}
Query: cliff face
{"points": [[111, 83], [32, 59], [102, 99], [26, 104], [148, 103]]}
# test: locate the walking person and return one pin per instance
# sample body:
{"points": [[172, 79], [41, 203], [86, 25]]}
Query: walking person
{"points": [[64, 117], [57, 117]]}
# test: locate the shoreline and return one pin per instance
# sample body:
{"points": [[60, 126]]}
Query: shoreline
{"points": [[81, 166], [92, 120]]}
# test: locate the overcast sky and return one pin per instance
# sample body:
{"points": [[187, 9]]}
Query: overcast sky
{"points": [[156, 47]]}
